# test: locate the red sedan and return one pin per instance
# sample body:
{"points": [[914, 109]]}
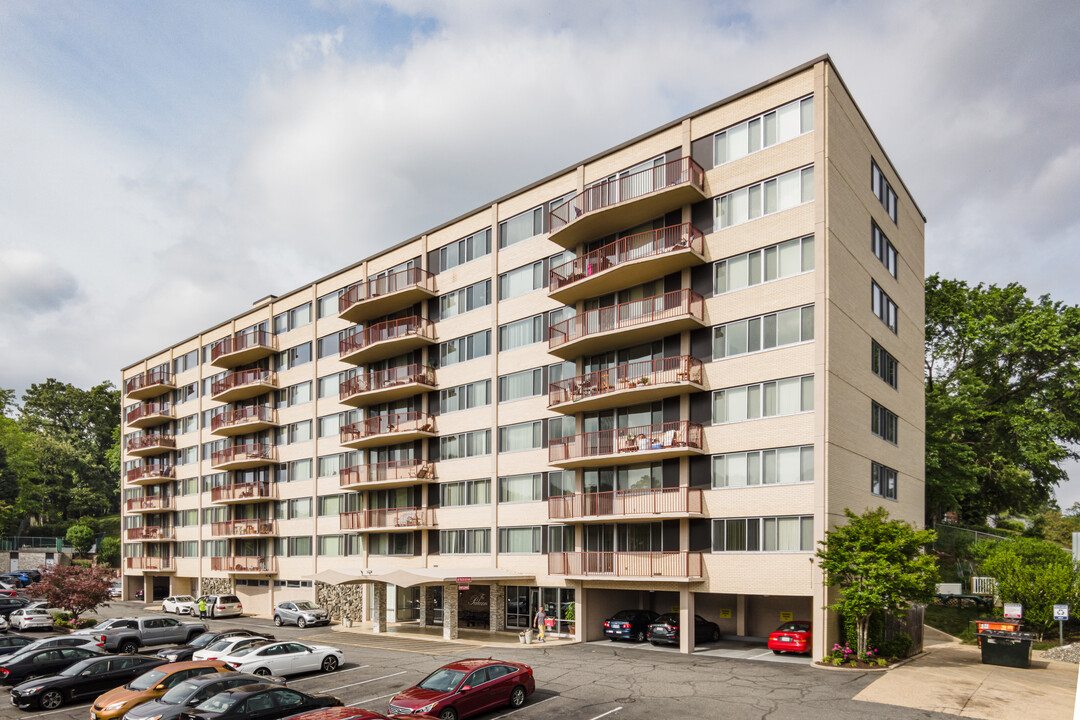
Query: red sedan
{"points": [[791, 637], [465, 688]]}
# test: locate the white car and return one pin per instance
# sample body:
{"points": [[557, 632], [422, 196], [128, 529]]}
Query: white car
{"points": [[180, 604], [226, 646], [4, 626], [43, 606], [23, 619], [284, 658]]}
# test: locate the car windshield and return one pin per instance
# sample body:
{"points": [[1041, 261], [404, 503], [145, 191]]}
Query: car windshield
{"points": [[203, 640], [180, 693], [147, 680], [244, 651], [77, 668], [668, 619], [185, 598], [306, 606], [794, 627], [222, 644], [442, 680], [625, 615], [218, 704]]}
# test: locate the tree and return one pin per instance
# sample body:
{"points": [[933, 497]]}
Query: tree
{"points": [[1031, 572], [109, 551], [81, 538], [74, 588], [879, 566], [1002, 397]]}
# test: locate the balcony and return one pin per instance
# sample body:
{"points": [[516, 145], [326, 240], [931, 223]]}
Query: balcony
{"points": [[628, 565], [243, 384], [150, 474], [629, 384], [630, 323], [244, 420], [239, 457], [147, 445], [389, 519], [149, 414], [149, 384], [626, 201], [150, 533], [243, 528], [388, 430], [159, 564], [396, 473], [243, 348], [646, 504], [624, 446], [243, 493], [386, 385], [626, 262], [384, 295], [387, 339], [244, 565], [149, 504]]}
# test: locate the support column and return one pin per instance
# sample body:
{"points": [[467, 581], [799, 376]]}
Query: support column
{"points": [[378, 607], [740, 615], [427, 605], [450, 611], [496, 607], [686, 620], [148, 589]]}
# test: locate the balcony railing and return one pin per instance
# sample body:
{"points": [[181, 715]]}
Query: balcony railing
{"points": [[243, 564], [147, 380], [151, 442], [628, 187], [243, 528], [642, 374], [241, 379], [149, 563], [146, 411], [410, 327], [242, 453], [151, 472], [669, 306], [678, 435], [252, 340], [386, 380], [406, 422], [654, 501], [253, 414], [385, 518], [653, 243], [150, 503], [241, 492], [394, 470], [151, 532], [410, 279], [626, 564]]}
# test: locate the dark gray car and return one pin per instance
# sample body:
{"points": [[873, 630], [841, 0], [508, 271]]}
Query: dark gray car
{"points": [[189, 693]]}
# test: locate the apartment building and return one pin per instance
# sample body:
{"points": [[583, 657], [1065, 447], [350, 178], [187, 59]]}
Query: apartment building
{"points": [[653, 379]]}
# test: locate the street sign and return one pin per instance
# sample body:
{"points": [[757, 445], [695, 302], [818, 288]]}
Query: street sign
{"points": [[1061, 612], [1013, 611]]}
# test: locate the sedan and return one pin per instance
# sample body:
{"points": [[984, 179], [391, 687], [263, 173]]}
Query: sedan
{"points": [[285, 658], [86, 678], [151, 685], [8, 590], [90, 642], [629, 625], [227, 646], [300, 614], [187, 652], [791, 637], [665, 631], [11, 644], [258, 702], [180, 604], [35, 663], [465, 688], [24, 619], [190, 693]]}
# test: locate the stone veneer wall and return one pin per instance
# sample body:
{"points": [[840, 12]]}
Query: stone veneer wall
{"points": [[215, 586], [341, 601]]}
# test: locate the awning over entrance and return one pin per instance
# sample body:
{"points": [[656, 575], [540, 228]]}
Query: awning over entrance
{"points": [[410, 577]]}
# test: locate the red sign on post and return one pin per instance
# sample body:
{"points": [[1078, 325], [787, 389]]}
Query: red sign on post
{"points": [[464, 580], [462, 587]]}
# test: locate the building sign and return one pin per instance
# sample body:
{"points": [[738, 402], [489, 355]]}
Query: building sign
{"points": [[1013, 610], [724, 613], [464, 580], [462, 587], [1061, 612], [787, 617]]}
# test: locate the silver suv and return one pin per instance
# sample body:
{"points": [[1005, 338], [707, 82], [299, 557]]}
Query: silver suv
{"points": [[301, 613]]}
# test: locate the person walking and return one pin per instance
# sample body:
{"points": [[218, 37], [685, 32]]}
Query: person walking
{"points": [[541, 623], [202, 608]]}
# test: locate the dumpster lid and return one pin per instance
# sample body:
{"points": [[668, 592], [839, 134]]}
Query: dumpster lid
{"points": [[1030, 637]]}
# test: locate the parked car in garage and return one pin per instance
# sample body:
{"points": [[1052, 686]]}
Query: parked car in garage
{"points": [[300, 614], [285, 658], [86, 678], [258, 702], [791, 637], [27, 619], [151, 685], [42, 661], [180, 604], [665, 631], [465, 688], [629, 625], [191, 693], [187, 652]]}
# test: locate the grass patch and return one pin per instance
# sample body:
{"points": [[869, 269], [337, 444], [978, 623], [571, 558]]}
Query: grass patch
{"points": [[954, 621]]}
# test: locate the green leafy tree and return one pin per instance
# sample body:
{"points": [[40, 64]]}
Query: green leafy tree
{"points": [[81, 538], [1002, 397], [109, 552], [1033, 573], [878, 565]]}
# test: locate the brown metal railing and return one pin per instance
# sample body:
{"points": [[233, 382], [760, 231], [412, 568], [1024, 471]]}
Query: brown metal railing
{"points": [[668, 306], [241, 378], [145, 442], [644, 373], [243, 528], [151, 532], [385, 285], [389, 330], [150, 563], [633, 247], [242, 341], [654, 501], [383, 379], [661, 436], [243, 563], [628, 187], [242, 491], [626, 564], [146, 472], [154, 377], [240, 416], [251, 451], [388, 424], [146, 410], [150, 502], [381, 472], [412, 517]]}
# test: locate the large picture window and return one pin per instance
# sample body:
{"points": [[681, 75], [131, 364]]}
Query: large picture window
{"points": [[787, 327], [764, 534], [789, 258], [776, 466], [765, 198], [776, 126], [768, 399]]}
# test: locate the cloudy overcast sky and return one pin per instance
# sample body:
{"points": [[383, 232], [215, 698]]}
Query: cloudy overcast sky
{"points": [[164, 164]]}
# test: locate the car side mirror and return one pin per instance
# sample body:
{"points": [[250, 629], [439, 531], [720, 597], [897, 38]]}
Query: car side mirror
{"points": [[84, 673], [466, 688], [160, 687]]}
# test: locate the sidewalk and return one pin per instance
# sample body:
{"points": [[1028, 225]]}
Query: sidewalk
{"points": [[465, 636]]}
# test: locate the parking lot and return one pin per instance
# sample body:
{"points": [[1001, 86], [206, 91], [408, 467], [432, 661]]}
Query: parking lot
{"points": [[576, 682]]}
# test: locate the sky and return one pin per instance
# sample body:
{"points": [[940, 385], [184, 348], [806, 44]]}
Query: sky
{"points": [[164, 164]]}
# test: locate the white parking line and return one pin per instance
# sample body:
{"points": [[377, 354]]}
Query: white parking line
{"points": [[319, 677], [361, 702], [362, 682], [526, 707], [66, 709], [609, 712]]}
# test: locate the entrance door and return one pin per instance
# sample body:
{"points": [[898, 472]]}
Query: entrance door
{"points": [[14, 565]]}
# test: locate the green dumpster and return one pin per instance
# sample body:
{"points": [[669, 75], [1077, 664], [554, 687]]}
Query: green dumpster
{"points": [[1006, 648]]}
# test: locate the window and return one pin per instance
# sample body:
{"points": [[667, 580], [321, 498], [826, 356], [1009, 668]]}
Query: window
{"points": [[882, 481], [883, 306], [464, 300], [560, 427], [765, 198], [465, 348], [215, 548], [465, 250], [465, 542], [293, 546], [883, 423], [521, 436], [465, 397], [768, 399], [296, 318], [786, 327], [772, 263], [465, 492], [562, 370], [293, 395], [187, 424], [298, 470], [327, 305], [778, 466], [561, 538], [187, 456], [187, 518], [519, 385], [294, 509], [520, 333], [297, 432], [463, 445], [331, 545], [521, 280], [210, 482], [883, 249], [776, 126], [330, 385], [521, 540], [521, 488], [883, 190], [560, 483], [883, 364], [521, 227], [766, 534], [293, 357], [187, 392], [329, 465], [187, 548], [390, 544], [187, 486], [330, 425], [187, 361]]}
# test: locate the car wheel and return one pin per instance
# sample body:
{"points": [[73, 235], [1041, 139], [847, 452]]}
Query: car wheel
{"points": [[715, 635], [517, 698], [448, 714], [263, 672], [277, 620], [640, 637], [329, 663], [129, 647], [775, 652], [301, 623], [51, 699], [654, 643]]}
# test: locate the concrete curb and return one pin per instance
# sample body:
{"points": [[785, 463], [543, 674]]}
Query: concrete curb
{"points": [[885, 669]]}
